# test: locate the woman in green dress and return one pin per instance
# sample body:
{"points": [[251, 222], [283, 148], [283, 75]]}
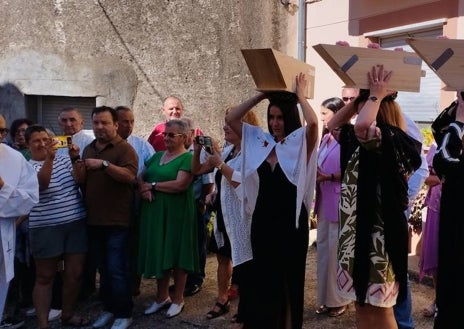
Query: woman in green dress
{"points": [[168, 226]]}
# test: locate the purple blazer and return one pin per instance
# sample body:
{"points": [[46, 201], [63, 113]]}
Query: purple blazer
{"points": [[328, 192]]}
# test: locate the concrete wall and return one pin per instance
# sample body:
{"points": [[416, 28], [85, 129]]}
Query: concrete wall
{"points": [[137, 52]]}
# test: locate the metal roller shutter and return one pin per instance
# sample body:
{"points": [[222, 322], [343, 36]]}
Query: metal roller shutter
{"points": [[49, 107]]}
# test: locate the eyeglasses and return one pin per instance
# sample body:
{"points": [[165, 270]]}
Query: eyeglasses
{"points": [[171, 135], [346, 99], [20, 131], [4, 131]]}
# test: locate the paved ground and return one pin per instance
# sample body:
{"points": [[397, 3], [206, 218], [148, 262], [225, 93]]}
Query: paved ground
{"points": [[197, 306]]}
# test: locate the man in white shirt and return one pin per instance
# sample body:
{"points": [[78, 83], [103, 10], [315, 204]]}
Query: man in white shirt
{"points": [[145, 151], [403, 310], [125, 126], [19, 192], [72, 124]]}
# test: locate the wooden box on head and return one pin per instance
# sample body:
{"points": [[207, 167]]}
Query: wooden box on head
{"points": [[445, 57], [352, 64], [274, 71]]}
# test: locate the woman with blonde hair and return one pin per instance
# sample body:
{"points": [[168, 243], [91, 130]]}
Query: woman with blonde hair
{"points": [[377, 157], [231, 231]]}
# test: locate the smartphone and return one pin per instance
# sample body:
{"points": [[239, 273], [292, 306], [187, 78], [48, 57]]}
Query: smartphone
{"points": [[63, 141], [206, 142]]}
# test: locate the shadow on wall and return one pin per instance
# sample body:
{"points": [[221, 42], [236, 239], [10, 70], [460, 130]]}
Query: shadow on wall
{"points": [[12, 103]]}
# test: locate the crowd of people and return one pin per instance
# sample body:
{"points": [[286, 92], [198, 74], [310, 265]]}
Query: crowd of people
{"points": [[125, 208]]}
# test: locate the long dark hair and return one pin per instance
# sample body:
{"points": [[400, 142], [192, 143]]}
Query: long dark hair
{"points": [[16, 124], [287, 103], [334, 104]]}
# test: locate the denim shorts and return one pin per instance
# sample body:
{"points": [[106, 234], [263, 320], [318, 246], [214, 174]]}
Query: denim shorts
{"points": [[54, 241]]}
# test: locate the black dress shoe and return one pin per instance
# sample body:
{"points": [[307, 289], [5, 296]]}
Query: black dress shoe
{"points": [[192, 290], [189, 290]]}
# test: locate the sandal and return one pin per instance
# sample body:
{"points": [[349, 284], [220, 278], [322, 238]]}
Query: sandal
{"points": [[337, 311], [223, 309], [75, 321], [322, 310]]}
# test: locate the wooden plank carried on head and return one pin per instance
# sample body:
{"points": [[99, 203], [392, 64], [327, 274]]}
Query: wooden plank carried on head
{"points": [[445, 57], [275, 71], [352, 65]]}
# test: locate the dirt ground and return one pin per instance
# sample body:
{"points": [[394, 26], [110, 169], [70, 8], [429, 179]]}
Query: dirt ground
{"points": [[198, 305]]}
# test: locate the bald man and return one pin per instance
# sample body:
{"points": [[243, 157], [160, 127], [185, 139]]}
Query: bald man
{"points": [[172, 109]]}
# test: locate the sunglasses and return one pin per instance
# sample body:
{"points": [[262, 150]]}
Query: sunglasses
{"points": [[4, 131], [171, 135], [346, 99]]}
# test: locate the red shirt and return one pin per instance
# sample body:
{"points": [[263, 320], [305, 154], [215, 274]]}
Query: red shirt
{"points": [[156, 138]]}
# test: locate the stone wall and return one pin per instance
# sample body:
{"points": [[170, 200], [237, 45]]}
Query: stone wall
{"points": [[137, 52]]}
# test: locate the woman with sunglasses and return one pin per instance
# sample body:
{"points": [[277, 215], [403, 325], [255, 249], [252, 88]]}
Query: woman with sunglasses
{"points": [[168, 225]]}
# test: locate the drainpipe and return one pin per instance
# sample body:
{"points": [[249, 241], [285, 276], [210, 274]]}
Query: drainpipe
{"points": [[301, 29]]}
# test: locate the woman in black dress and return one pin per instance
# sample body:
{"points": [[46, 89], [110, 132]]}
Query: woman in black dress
{"points": [[272, 290]]}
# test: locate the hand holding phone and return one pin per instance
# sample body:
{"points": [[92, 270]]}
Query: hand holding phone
{"points": [[62, 141], [205, 142]]}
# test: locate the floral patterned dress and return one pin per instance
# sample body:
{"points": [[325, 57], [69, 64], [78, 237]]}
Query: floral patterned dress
{"points": [[383, 288], [373, 236]]}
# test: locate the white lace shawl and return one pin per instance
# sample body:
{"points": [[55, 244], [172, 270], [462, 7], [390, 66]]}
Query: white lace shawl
{"points": [[292, 157], [238, 227]]}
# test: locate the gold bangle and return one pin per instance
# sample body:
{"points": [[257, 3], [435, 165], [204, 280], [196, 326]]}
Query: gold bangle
{"points": [[220, 166]]}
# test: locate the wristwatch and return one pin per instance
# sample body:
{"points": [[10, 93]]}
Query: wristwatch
{"points": [[153, 186], [373, 99], [105, 164]]}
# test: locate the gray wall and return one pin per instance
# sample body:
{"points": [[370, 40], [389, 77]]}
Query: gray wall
{"points": [[136, 53]]}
